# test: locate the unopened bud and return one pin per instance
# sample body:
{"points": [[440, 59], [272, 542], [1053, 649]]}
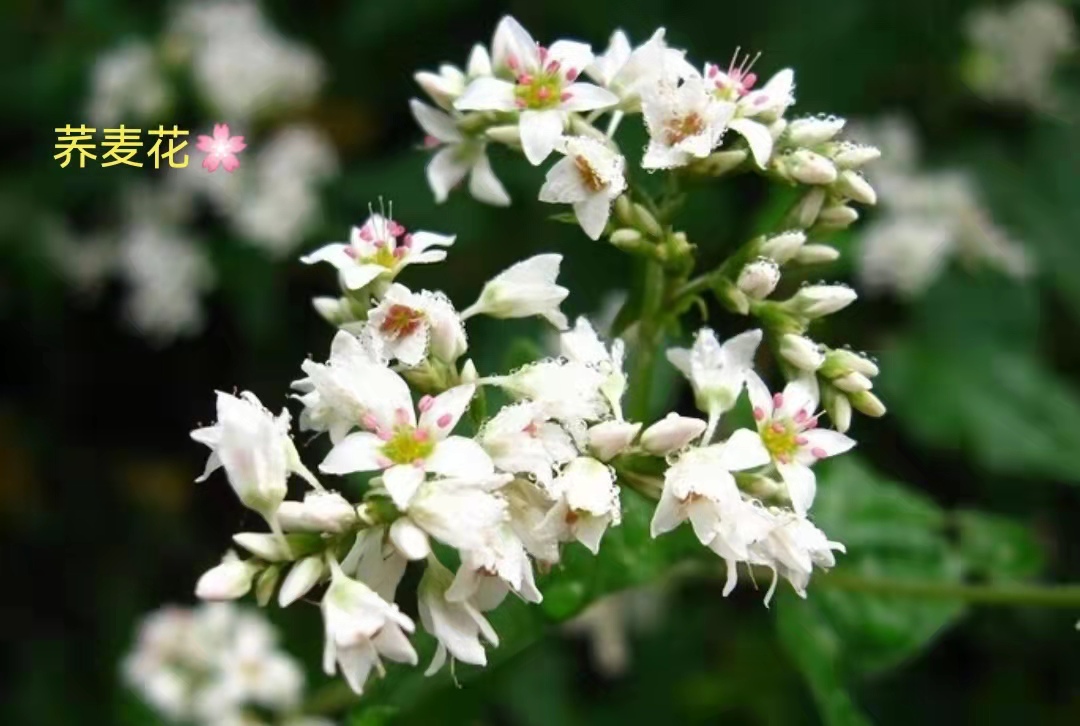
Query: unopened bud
{"points": [[807, 167], [321, 511], [838, 407], [611, 438], [266, 546], [647, 222], [508, 135], [816, 254], [853, 156], [671, 433], [624, 209], [625, 237], [265, 584], [868, 403], [443, 87], [815, 301], [331, 309], [303, 576], [801, 352], [409, 540], [228, 581], [853, 382], [853, 185], [479, 62], [759, 278], [812, 131], [782, 247], [805, 213], [468, 372], [731, 297], [840, 362], [837, 216], [721, 162]]}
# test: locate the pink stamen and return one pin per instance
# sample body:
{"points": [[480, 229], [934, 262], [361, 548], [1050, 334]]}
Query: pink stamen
{"points": [[407, 240], [418, 463], [543, 53], [350, 252], [801, 415], [402, 416], [519, 102], [525, 79], [531, 429], [384, 434], [778, 400], [366, 234], [778, 427], [444, 420], [711, 70], [384, 463], [818, 452], [426, 403], [396, 229], [554, 66], [543, 93], [420, 435], [430, 142], [760, 100], [759, 413], [400, 252], [565, 96], [370, 422], [572, 74], [512, 62], [811, 424], [802, 440], [749, 80]]}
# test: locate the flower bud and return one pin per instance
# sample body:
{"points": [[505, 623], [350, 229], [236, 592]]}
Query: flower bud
{"points": [[611, 438], [624, 209], [731, 297], [266, 546], [443, 87], [801, 352], [868, 403], [228, 581], [759, 278], [525, 289], [840, 362], [812, 130], [265, 584], [853, 185], [321, 511], [625, 237], [837, 216], [331, 309], [303, 576], [508, 135], [721, 162], [815, 301], [468, 372], [671, 434], [782, 247], [816, 254], [838, 407], [409, 540], [853, 382], [647, 222], [479, 62], [807, 167], [806, 211], [853, 156]]}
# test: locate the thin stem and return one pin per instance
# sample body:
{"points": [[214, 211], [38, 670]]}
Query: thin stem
{"points": [[640, 384], [1053, 596]]}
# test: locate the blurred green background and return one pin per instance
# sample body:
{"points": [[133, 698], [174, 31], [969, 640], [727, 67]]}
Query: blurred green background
{"points": [[102, 522]]}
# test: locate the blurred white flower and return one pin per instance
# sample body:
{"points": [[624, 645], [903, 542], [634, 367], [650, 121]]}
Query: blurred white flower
{"points": [[456, 625], [127, 85]]}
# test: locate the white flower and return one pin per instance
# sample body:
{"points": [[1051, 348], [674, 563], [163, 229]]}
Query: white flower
{"points": [[227, 581], [361, 627], [460, 513], [685, 121], [589, 176], [716, 372], [255, 450], [126, 84], [628, 73], [375, 561], [608, 439], [405, 449], [525, 289], [410, 325], [458, 155], [754, 109], [583, 345], [449, 83], [544, 89], [457, 626], [586, 503], [792, 548], [521, 440], [379, 248], [787, 425], [303, 576], [321, 511], [567, 391], [671, 433], [784, 246], [486, 574], [528, 504]]}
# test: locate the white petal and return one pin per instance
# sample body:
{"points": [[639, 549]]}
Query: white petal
{"points": [[830, 442], [801, 485], [668, 514], [361, 451], [484, 185], [563, 185], [401, 482], [446, 410], [393, 643], [571, 54], [540, 132], [757, 137], [744, 450], [593, 215], [409, 539], [512, 44], [661, 156], [356, 276], [587, 97], [487, 94], [760, 398], [460, 457], [334, 253], [445, 171], [434, 122], [680, 358], [800, 394]]}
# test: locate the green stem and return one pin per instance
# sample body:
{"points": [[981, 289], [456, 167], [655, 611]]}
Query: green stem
{"points": [[332, 698], [648, 334], [1054, 596]]}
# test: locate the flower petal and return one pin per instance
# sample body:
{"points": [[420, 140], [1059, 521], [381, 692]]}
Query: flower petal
{"points": [[446, 410], [487, 94], [744, 450], [460, 457], [587, 97], [434, 122], [445, 171], [540, 132], [828, 441], [801, 485], [356, 276], [484, 185], [361, 451], [760, 399], [562, 184], [402, 481], [593, 214], [757, 137]]}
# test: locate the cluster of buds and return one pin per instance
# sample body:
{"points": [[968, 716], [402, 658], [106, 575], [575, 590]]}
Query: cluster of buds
{"points": [[499, 495]]}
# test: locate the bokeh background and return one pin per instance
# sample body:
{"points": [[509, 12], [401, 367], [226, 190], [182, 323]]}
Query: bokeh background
{"points": [[127, 296]]}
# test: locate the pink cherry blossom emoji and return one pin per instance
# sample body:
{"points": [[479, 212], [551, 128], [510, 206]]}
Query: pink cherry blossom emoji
{"points": [[221, 149]]}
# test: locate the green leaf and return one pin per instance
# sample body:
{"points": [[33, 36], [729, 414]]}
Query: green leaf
{"points": [[374, 716], [996, 547]]}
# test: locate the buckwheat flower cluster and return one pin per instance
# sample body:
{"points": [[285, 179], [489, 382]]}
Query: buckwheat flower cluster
{"points": [[928, 218], [215, 665], [422, 471]]}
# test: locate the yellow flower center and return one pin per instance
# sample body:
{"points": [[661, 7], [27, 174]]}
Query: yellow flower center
{"points": [[540, 91], [408, 445], [384, 256], [780, 438], [682, 128]]}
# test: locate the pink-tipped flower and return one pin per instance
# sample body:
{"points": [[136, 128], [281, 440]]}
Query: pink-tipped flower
{"points": [[221, 149]]}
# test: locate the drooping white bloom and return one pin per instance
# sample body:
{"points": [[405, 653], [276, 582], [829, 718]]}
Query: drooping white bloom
{"points": [[375, 561], [716, 372], [256, 451], [380, 248], [671, 433], [685, 122], [787, 425], [361, 627], [629, 72], [461, 513], [456, 625], [544, 89], [126, 84], [567, 391], [583, 345], [406, 449], [525, 289], [486, 574], [754, 110], [458, 156], [522, 440], [586, 503], [410, 326], [793, 547], [528, 504], [589, 176]]}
